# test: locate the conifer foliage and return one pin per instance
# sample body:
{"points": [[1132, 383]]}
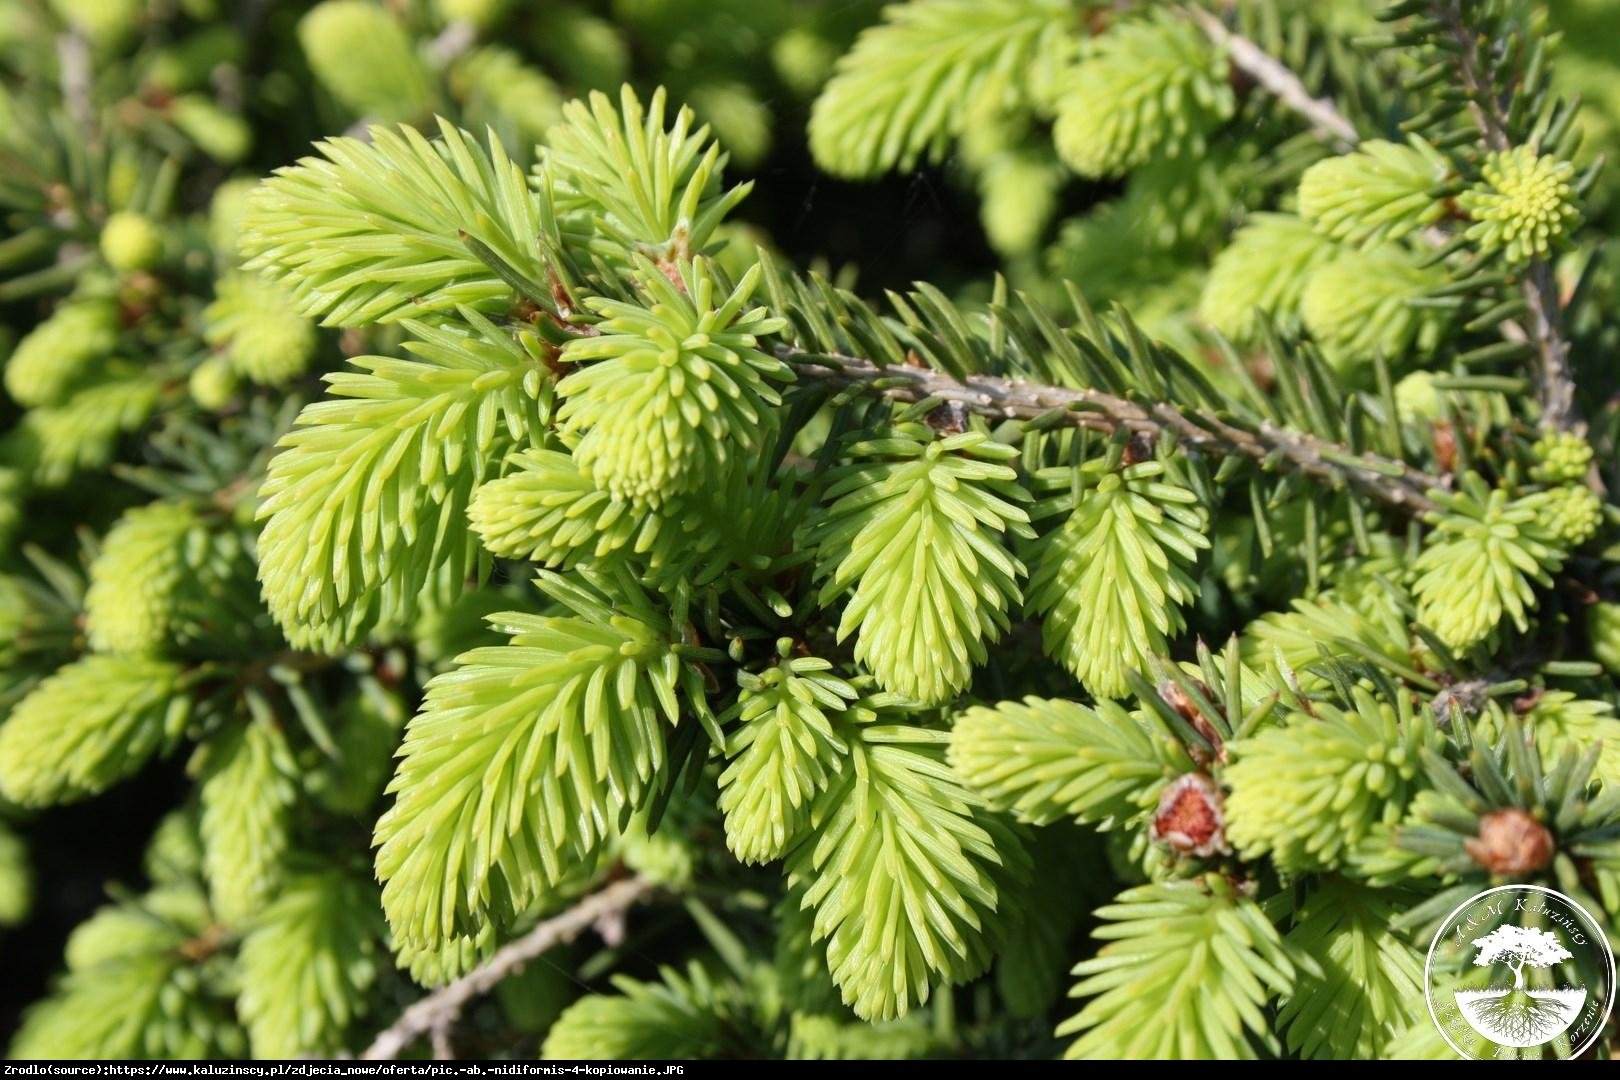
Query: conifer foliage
{"points": [[486, 524]]}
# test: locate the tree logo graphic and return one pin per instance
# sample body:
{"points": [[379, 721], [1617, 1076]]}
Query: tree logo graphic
{"points": [[1516, 1016], [1520, 971]]}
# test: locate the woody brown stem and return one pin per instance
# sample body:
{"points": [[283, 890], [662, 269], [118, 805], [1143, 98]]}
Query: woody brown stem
{"points": [[1325, 119], [436, 1014], [1267, 445], [1543, 323]]}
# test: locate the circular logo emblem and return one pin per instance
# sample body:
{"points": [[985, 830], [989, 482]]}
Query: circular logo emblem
{"points": [[1520, 971]]}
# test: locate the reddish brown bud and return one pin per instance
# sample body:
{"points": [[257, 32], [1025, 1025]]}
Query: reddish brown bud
{"points": [[1177, 698], [949, 418], [551, 356], [1444, 440], [1528, 700], [1511, 843], [204, 945], [1138, 449], [671, 269], [1191, 818], [560, 297]]}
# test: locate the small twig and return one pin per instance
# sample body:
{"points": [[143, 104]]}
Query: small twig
{"points": [[1323, 116], [1544, 328], [436, 1014], [73, 58], [439, 1038], [1555, 381], [1265, 444], [454, 40], [1482, 103]]}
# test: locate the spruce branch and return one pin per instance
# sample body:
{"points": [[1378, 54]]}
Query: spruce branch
{"points": [[1325, 119], [996, 399], [1555, 382], [437, 1013], [1473, 68]]}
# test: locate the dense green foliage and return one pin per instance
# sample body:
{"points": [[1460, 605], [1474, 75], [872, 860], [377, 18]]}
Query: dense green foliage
{"points": [[408, 434]]}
